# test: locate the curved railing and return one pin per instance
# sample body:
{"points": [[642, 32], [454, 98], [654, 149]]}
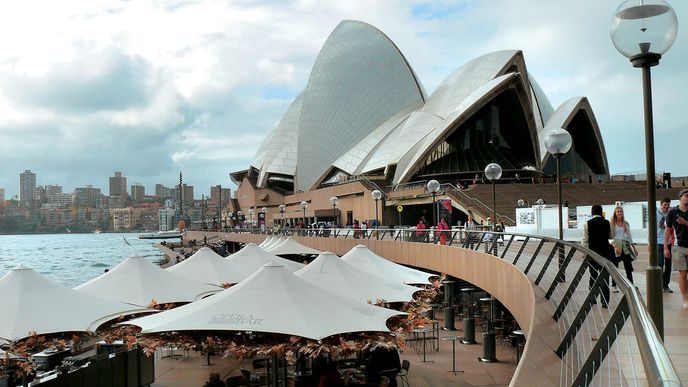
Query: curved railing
{"points": [[596, 345]]}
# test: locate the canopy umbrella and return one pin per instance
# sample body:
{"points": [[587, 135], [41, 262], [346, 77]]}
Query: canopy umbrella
{"points": [[208, 267], [291, 247], [329, 272], [274, 243], [364, 259], [31, 302], [138, 282], [267, 241], [251, 258], [272, 300]]}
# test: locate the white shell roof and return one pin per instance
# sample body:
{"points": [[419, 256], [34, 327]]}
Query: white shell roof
{"points": [[364, 110], [558, 119], [406, 168], [465, 80], [359, 80], [278, 153]]}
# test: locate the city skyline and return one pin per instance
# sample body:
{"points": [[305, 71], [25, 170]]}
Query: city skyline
{"points": [[94, 87], [149, 191]]}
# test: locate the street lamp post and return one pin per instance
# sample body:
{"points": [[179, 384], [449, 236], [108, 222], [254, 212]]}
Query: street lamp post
{"points": [[334, 200], [493, 172], [230, 216], [250, 216], [642, 31], [558, 142], [433, 186], [304, 205], [282, 207], [240, 216], [377, 195]]}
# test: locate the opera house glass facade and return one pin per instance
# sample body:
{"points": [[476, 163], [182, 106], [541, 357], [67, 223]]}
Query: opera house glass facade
{"points": [[365, 112]]}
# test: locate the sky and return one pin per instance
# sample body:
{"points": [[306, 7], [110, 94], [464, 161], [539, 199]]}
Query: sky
{"points": [[152, 88]]}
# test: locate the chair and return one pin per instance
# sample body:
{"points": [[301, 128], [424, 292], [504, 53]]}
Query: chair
{"points": [[403, 374], [246, 378], [384, 381], [389, 375]]}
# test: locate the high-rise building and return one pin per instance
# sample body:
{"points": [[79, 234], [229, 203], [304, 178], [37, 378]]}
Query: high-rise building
{"points": [[162, 192], [2, 196], [138, 191], [188, 193], [27, 187], [87, 196], [118, 185], [53, 189], [217, 193]]}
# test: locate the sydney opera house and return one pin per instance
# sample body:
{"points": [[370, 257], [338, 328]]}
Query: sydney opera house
{"points": [[365, 115]]}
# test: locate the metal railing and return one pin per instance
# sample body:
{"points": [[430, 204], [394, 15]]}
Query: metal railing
{"points": [[597, 344]]}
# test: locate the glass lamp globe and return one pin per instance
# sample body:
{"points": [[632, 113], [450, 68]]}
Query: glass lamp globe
{"points": [[304, 204], [558, 142], [493, 171], [240, 213], [282, 207], [643, 27], [334, 200], [377, 195], [433, 186], [264, 209], [520, 202]]}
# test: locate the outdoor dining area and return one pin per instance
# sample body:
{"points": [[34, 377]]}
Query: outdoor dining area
{"points": [[329, 319]]}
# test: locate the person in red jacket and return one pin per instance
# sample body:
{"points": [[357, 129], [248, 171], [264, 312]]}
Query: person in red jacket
{"points": [[443, 228]]}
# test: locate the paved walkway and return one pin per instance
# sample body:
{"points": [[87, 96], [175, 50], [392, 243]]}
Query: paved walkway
{"points": [[191, 370]]}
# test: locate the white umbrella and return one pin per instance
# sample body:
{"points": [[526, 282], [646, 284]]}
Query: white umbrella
{"points": [[274, 243], [272, 300], [31, 302], [138, 282], [291, 247], [267, 241], [251, 258], [208, 267], [362, 258], [329, 272]]}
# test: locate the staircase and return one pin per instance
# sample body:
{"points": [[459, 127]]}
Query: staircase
{"points": [[576, 194]]}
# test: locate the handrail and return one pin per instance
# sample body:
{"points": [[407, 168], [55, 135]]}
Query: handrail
{"points": [[657, 364], [472, 199]]}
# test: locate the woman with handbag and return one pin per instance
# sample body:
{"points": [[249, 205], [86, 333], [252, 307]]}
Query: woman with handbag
{"points": [[624, 248]]}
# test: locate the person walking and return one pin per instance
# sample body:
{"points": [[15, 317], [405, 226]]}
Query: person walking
{"points": [[624, 248], [664, 261], [443, 228], [469, 240], [677, 219], [420, 230], [596, 238]]}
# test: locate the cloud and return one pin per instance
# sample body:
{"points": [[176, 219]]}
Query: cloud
{"points": [[150, 88]]}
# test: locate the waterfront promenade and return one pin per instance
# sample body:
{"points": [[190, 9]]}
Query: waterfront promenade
{"points": [[498, 373]]}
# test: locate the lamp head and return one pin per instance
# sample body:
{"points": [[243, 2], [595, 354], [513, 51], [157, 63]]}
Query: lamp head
{"points": [[282, 207], [644, 28], [558, 142], [433, 186], [304, 204], [377, 195], [334, 200], [493, 171]]}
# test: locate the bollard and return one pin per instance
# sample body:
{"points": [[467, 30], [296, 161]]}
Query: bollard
{"points": [[449, 305]]}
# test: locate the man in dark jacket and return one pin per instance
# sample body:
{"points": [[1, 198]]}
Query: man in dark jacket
{"points": [[596, 238]]}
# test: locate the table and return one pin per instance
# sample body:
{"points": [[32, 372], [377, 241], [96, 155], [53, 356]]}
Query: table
{"points": [[424, 331], [453, 339]]}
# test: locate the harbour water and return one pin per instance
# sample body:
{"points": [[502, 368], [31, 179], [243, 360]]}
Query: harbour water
{"points": [[72, 259]]}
